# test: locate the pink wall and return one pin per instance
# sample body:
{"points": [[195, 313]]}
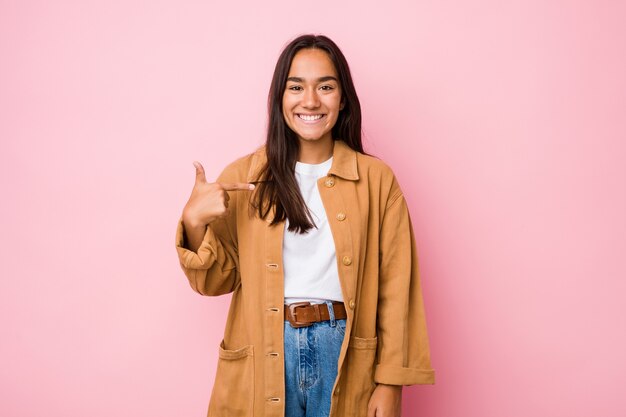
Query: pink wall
{"points": [[504, 121]]}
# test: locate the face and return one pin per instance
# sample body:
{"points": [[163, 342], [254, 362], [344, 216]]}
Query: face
{"points": [[312, 97]]}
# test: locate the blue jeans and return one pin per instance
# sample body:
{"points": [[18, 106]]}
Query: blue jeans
{"points": [[311, 356]]}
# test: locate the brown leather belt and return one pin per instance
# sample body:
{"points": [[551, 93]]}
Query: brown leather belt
{"points": [[304, 313]]}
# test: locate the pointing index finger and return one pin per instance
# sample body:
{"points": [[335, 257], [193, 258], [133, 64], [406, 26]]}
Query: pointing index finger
{"points": [[237, 186]]}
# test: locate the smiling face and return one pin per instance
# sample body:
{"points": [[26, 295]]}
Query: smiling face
{"points": [[312, 97]]}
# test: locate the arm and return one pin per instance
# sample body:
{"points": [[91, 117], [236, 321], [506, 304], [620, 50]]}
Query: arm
{"points": [[193, 233], [207, 249], [403, 350], [213, 268]]}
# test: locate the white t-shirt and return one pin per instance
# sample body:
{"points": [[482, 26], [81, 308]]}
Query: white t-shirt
{"points": [[309, 260]]}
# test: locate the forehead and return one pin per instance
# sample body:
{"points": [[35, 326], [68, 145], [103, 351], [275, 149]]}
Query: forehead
{"points": [[311, 63]]}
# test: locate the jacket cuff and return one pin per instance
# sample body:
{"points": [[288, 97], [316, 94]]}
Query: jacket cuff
{"points": [[397, 375], [189, 259]]}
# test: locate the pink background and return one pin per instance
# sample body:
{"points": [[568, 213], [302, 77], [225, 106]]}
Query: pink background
{"points": [[503, 120]]}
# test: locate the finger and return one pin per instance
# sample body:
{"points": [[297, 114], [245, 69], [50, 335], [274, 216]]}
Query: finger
{"points": [[237, 186], [200, 177]]}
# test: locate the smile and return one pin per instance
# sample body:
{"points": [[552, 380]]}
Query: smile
{"points": [[310, 117]]}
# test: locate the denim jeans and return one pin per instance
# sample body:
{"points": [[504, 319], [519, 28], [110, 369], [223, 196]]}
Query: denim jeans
{"points": [[311, 355]]}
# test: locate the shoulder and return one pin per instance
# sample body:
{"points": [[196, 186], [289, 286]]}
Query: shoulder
{"points": [[372, 165], [378, 174]]}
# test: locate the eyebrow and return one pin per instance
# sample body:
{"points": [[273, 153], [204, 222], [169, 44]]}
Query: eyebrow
{"points": [[319, 80]]}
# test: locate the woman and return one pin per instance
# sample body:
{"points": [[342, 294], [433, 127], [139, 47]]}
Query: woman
{"points": [[314, 240]]}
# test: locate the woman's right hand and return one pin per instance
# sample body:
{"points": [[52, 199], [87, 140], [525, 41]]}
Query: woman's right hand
{"points": [[208, 201]]}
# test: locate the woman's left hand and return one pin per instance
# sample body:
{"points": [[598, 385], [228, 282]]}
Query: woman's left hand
{"points": [[386, 401]]}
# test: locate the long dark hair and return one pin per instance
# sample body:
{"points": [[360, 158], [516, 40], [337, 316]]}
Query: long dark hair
{"points": [[277, 184]]}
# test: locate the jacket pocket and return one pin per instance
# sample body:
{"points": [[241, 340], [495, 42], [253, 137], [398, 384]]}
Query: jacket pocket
{"points": [[233, 389], [360, 378]]}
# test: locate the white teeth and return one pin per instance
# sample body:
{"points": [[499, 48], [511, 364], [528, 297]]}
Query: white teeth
{"points": [[310, 117]]}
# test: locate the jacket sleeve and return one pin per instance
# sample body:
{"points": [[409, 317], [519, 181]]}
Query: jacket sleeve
{"points": [[214, 269], [403, 348]]}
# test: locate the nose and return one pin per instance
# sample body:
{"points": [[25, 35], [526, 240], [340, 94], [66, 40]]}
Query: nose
{"points": [[310, 98]]}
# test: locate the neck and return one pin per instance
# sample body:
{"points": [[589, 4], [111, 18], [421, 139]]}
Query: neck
{"points": [[316, 152]]}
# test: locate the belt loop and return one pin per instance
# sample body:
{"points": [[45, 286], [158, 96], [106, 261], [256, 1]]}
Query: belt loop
{"points": [[331, 313]]}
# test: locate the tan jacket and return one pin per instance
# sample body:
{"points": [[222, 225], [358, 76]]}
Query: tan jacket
{"points": [[386, 340]]}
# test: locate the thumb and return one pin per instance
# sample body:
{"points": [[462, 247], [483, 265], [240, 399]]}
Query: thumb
{"points": [[200, 177]]}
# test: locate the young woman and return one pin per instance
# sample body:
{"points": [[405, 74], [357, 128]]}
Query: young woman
{"points": [[313, 239]]}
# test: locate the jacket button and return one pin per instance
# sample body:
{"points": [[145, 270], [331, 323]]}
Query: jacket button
{"points": [[329, 182], [351, 304], [346, 260], [341, 216]]}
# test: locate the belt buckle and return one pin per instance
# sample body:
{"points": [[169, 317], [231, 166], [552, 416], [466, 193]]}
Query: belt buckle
{"points": [[293, 320]]}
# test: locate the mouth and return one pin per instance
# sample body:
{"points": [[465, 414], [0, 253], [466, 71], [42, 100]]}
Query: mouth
{"points": [[310, 118]]}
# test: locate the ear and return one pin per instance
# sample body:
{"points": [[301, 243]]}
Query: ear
{"points": [[342, 105]]}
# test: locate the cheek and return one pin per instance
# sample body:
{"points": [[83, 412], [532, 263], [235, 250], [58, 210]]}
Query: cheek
{"points": [[336, 103], [286, 119], [286, 108]]}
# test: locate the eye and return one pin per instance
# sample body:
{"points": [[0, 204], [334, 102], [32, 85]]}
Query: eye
{"points": [[327, 87], [295, 88]]}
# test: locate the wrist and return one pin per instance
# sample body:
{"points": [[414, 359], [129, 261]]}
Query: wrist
{"points": [[191, 222], [394, 387]]}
